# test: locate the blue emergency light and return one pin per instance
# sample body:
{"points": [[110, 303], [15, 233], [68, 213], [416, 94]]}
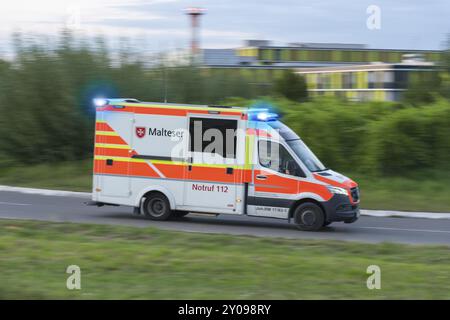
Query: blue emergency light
{"points": [[262, 115], [100, 102]]}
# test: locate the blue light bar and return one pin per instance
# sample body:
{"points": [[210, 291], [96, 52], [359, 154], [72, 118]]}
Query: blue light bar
{"points": [[262, 115]]}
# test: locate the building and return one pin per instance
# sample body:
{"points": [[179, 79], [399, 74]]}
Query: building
{"points": [[350, 70], [322, 54], [377, 81]]}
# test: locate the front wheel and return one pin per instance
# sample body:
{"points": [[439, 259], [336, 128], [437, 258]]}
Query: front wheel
{"points": [[157, 207], [309, 217]]}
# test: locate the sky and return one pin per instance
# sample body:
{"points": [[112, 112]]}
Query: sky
{"points": [[162, 25]]}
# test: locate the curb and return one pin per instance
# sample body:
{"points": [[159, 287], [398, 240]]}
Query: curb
{"points": [[405, 214], [46, 192], [370, 213]]}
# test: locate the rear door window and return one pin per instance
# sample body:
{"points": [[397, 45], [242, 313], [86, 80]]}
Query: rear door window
{"points": [[214, 136]]}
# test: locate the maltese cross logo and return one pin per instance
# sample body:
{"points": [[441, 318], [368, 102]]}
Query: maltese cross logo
{"points": [[140, 132]]}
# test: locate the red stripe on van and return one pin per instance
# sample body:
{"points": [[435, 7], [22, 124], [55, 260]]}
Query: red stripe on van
{"points": [[99, 151], [102, 126], [109, 139]]}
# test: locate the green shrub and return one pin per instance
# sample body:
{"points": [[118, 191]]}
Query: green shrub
{"points": [[291, 86]]}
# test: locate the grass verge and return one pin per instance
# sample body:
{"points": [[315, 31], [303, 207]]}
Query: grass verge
{"points": [[421, 193], [133, 263], [73, 176]]}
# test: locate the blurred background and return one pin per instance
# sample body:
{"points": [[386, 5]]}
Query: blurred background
{"points": [[366, 86]]}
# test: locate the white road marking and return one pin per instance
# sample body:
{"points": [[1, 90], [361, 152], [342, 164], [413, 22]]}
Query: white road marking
{"points": [[401, 229], [15, 203]]}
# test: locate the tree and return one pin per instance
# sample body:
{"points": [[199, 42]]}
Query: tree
{"points": [[292, 86], [423, 87]]}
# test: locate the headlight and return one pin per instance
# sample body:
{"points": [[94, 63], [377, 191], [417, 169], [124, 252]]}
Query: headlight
{"points": [[337, 190]]}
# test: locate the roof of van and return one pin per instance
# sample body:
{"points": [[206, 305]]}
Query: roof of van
{"points": [[136, 103]]}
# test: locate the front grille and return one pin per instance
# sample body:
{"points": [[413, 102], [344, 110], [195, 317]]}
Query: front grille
{"points": [[355, 193]]}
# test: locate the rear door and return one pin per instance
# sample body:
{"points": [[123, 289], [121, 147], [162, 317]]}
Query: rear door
{"points": [[212, 180], [115, 146]]}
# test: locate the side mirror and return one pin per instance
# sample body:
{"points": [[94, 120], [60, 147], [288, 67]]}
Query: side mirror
{"points": [[266, 163]]}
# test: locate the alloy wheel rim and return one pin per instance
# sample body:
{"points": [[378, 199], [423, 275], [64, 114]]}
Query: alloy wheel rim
{"points": [[308, 217], [157, 207]]}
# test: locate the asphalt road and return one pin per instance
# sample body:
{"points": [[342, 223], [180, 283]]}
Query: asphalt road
{"points": [[15, 205]]}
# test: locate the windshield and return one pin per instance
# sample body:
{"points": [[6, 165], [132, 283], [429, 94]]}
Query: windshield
{"points": [[299, 147], [306, 156]]}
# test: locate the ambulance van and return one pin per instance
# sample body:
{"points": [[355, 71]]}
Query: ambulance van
{"points": [[168, 160]]}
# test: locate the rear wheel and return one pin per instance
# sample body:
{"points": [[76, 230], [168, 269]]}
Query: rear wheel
{"points": [[309, 217], [157, 207]]}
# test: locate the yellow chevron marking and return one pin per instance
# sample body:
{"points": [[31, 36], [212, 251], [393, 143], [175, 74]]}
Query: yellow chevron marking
{"points": [[112, 146], [106, 133]]}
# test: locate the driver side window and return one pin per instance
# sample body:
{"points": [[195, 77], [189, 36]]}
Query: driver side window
{"points": [[274, 156]]}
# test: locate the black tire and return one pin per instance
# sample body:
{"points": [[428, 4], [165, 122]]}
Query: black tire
{"points": [[309, 217], [157, 207]]}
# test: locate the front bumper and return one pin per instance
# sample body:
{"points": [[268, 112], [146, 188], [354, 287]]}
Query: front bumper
{"points": [[339, 208]]}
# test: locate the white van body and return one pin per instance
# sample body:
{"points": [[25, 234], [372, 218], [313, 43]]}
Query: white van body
{"points": [[147, 148]]}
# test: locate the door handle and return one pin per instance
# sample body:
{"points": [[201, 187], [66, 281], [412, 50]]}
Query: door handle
{"points": [[189, 160], [261, 177]]}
